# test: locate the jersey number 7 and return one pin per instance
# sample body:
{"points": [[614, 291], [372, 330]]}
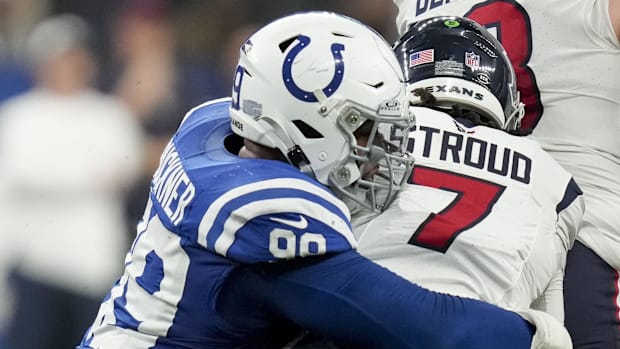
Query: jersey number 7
{"points": [[474, 200]]}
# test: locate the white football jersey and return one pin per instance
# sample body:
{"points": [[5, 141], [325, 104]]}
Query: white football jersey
{"points": [[488, 216], [567, 60]]}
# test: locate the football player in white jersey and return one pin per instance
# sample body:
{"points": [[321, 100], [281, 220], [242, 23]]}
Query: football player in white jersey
{"points": [[566, 54], [242, 251], [488, 215]]}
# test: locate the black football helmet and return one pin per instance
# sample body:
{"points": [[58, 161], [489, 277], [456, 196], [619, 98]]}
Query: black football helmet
{"points": [[464, 67]]}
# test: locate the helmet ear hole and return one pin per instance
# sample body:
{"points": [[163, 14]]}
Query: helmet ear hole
{"points": [[341, 35], [286, 43], [307, 130]]}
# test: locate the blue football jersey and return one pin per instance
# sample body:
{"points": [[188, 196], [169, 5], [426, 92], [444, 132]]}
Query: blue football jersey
{"points": [[208, 211], [218, 263]]}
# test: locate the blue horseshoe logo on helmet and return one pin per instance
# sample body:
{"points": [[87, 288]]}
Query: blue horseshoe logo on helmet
{"points": [[290, 84]]}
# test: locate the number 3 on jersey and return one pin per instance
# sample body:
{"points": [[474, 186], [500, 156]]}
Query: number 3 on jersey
{"points": [[512, 25], [473, 202]]}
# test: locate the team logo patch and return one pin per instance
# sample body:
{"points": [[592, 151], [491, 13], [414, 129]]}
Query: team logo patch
{"points": [[472, 60], [392, 108], [421, 57], [287, 71], [483, 78], [301, 223]]}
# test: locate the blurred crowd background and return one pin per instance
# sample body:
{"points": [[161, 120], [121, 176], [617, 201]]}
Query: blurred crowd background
{"points": [[90, 93]]}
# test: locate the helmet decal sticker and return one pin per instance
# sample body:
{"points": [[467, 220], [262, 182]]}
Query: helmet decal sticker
{"points": [[483, 79], [449, 67], [289, 82], [451, 23], [485, 49], [421, 57], [472, 60]]}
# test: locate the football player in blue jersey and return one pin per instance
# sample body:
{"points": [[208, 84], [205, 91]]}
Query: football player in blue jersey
{"points": [[246, 237]]}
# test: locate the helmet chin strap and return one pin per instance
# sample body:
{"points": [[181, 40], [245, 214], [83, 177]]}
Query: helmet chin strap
{"points": [[298, 159], [293, 154]]}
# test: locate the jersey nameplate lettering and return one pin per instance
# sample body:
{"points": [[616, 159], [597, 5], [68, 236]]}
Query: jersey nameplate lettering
{"points": [[425, 5], [171, 185], [477, 153]]}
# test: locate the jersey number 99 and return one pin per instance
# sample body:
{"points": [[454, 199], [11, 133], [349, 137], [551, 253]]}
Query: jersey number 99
{"points": [[285, 244]]}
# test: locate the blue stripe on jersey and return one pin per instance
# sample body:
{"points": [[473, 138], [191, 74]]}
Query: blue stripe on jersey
{"points": [[271, 200], [570, 195]]}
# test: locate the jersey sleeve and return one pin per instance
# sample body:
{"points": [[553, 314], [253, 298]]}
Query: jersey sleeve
{"points": [[570, 213], [558, 188], [248, 210], [552, 299], [356, 303], [280, 218], [258, 211], [272, 218]]}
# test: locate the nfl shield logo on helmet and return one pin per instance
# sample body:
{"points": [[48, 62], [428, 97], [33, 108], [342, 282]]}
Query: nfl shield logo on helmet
{"points": [[472, 60]]}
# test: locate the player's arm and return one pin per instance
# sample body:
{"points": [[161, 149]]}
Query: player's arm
{"points": [[356, 303], [570, 212], [552, 300]]}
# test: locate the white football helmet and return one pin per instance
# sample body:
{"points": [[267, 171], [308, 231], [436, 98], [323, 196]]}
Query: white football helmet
{"points": [[306, 82]]}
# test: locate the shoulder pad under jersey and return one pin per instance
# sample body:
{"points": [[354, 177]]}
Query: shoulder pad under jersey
{"points": [[249, 210]]}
